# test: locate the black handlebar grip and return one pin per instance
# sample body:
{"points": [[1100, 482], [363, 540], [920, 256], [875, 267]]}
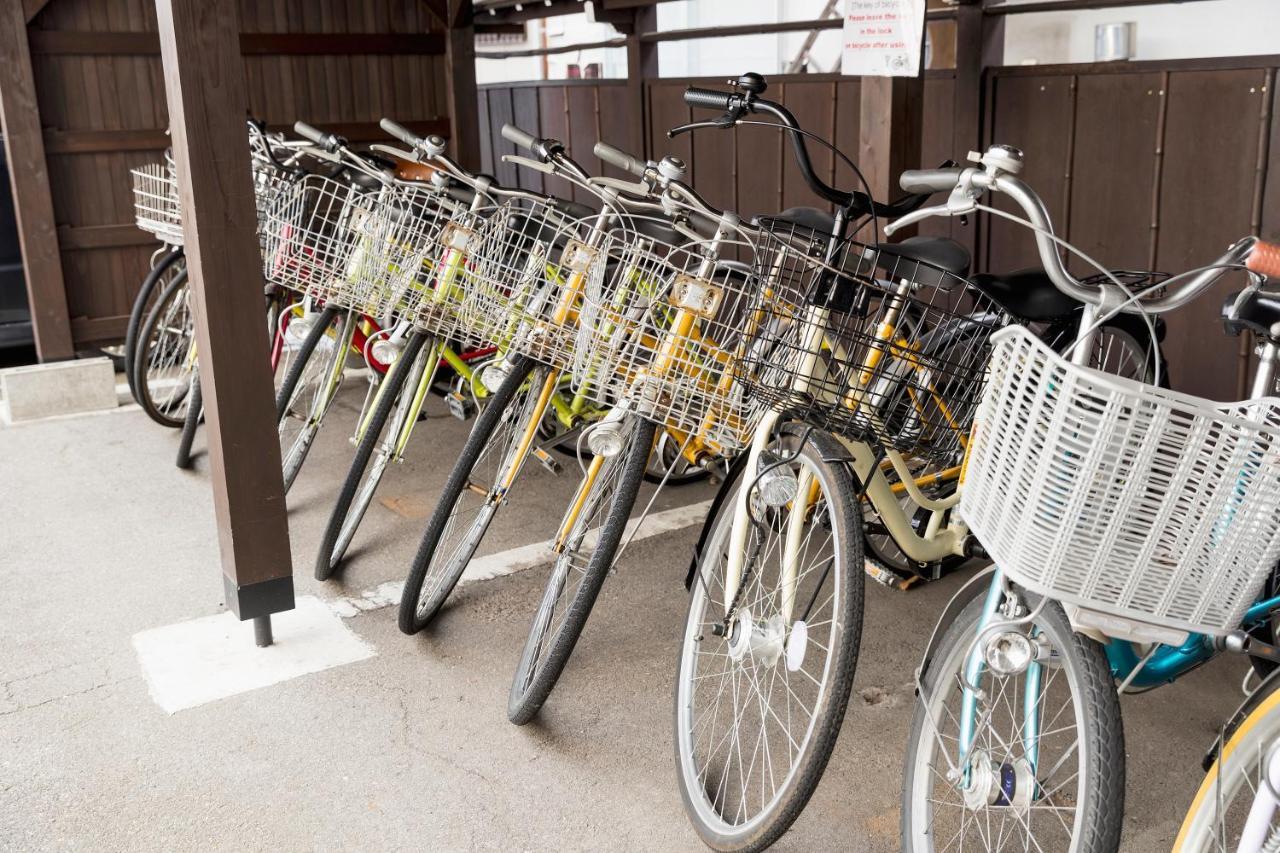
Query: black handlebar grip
{"points": [[518, 137], [620, 159], [707, 99], [926, 181], [400, 132]]}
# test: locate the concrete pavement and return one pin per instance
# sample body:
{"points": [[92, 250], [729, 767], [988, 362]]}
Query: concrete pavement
{"points": [[101, 537]]}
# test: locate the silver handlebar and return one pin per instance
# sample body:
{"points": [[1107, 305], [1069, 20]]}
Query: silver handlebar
{"points": [[973, 182]]}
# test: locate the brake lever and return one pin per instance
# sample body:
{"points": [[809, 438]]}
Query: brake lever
{"points": [[724, 122], [528, 163], [915, 216], [638, 188]]}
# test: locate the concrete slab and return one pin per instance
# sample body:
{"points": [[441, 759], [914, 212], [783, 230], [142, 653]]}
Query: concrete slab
{"points": [[190, 663], [102, 538], [57, 388]]}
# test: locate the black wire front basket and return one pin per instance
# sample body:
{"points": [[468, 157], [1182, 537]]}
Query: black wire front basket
{"points": [[868, 344]]}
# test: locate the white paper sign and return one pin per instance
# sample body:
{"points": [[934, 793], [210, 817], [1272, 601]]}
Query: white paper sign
{"points": [[882, 38]]}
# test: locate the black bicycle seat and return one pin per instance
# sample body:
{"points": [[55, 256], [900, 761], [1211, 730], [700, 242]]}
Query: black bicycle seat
{"points": [[941, 252], [1259, 314], [805, 217], [1027, 294]]}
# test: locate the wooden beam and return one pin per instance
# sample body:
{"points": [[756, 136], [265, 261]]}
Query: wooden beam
{"points": [[77, 43], [102, 237], [31, 8], [103, 141], [204, 82], [642, 65], [460, 83], [548, 51], [29, 179], [767, 28]]}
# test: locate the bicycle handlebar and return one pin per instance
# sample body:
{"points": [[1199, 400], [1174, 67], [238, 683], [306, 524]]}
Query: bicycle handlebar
{"points": [[1264, 259], [328, 141], [708, 99], [928, 181], [620, 159], [518, 137], [998, 174]]}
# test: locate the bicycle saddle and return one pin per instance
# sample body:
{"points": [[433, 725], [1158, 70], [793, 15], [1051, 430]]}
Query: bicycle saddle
{"points": [[805, 217], [1259, 314], [941, 252], [1027, 294]]}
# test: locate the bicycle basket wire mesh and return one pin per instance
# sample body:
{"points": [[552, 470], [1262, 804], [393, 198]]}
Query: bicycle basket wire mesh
{"points": [[155, 202], [397, 244], [311, 233], [1121, 497], [527, 270], [664, 327], [873, 345]]}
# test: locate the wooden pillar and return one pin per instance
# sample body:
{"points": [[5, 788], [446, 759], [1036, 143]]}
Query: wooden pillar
{"points": [[642, 66], [204, 81], [29, 178], [890, 117], [464, 102], [979, 44]]}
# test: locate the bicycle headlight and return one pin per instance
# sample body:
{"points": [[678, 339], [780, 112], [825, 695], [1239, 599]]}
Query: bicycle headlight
{"points": [[494, 374], [776, 482], [385, 350], [298, 328], [1009, 652], [606, 437]]}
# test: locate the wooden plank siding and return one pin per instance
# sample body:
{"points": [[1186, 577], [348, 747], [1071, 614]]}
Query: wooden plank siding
{"points": [[337, 64]]}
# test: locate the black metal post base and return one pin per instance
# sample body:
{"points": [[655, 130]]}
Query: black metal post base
{"points": [[262, 631]]}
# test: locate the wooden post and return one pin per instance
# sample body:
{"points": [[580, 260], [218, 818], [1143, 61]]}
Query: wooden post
{"points": [[464, 102], [32, 201], [204, 81], [890, 116], [642, 66], [979, 43]]}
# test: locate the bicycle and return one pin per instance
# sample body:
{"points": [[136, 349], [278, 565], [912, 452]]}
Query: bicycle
{"points": [[1126, 548], [541, 312], [428, 302], [871, 383]]}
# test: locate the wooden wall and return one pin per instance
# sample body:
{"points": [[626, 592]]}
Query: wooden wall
{"points": [[341, 64], [1145, 165]]}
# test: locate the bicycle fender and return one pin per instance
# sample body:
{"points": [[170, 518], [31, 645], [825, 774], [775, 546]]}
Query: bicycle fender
{"points": [[957, 603], [722, 494]]}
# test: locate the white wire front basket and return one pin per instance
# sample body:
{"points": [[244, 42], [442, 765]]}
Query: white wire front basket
{"points": [[527, 267], [1119, 497], [310, 237], [155, 202], [665, 326]]}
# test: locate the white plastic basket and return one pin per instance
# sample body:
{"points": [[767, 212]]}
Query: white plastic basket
{"points": [[1119, 497]]}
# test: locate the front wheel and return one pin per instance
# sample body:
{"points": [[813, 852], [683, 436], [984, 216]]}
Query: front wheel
{"points": [[1034, 759], [587, 545], [1235, 808], [764, 673], [377, 443]]}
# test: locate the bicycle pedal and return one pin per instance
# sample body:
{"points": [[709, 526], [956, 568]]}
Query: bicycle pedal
{"points": [[460, 407], [547, 461], [888, 578]]}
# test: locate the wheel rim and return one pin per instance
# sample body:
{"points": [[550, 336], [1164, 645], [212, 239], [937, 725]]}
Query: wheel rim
{"points": [[738, 763], [168, 359], [940, 819], [479, 500], [311, 398], [570, 570]]}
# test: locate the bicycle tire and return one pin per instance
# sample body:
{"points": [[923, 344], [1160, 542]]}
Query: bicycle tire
{"points": [[533, 683], [142, 384], [1096, 712], [415, 614], [290, 385], [138, 312], [783, 807], [331, 554], [195, 402]]}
